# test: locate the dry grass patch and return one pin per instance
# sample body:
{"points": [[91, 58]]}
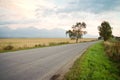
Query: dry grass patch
{"points": [[23, 43], [113, 50]]}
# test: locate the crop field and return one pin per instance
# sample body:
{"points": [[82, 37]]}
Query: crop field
{"points": [[23, 43]]}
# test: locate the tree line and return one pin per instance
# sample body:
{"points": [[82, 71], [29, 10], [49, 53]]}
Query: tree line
{"points": [[105, 31]]}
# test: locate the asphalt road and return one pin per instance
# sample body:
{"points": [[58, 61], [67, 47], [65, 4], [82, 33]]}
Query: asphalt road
{"points": [[38, 64]]}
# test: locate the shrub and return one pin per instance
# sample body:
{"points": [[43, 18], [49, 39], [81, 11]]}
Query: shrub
{"points": [[60, 43], [63, 43], [113, 50], [8, 47], [52, 44], [36, 45], [39, 45]]}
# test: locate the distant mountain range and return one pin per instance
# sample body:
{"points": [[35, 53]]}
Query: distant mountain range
{"points": [[32, 32]]}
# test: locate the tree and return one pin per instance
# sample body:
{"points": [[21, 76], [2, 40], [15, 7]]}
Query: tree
{"points": [[105, 30], [77, 31]]}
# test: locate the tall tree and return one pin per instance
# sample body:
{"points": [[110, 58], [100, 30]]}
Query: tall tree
{"points": [[105, 30], [77, 31]]}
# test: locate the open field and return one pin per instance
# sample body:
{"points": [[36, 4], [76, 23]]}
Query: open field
{"points": [[23, 43]]}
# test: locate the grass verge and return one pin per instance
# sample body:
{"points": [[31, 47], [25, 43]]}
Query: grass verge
{"points": [[93, 65]]}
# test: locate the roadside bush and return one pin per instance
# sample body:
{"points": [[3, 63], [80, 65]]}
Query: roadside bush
{"points": [[40, 45], [63, 43], [8, 47], [60, 43], [113, 50], [36, 45], [52, 44]]}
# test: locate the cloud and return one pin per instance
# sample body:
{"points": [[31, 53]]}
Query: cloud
{"points": [[31, 32], [94, 6], [63, 14]]}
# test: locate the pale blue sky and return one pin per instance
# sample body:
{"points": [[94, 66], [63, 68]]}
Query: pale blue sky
{"points": [[94, 6], [50, 14]]}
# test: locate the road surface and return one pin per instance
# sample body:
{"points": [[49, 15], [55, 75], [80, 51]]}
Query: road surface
{"points": [[40, 63]]}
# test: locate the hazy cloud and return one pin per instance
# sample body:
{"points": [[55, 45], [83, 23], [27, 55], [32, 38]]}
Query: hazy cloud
{"points": [[95, 6], [63, 14]]}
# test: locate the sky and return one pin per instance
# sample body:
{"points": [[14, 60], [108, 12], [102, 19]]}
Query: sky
{"points": [[50, 14]]}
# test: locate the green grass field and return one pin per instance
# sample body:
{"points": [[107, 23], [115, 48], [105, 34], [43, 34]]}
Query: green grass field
{"points": [[93, 65]]}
